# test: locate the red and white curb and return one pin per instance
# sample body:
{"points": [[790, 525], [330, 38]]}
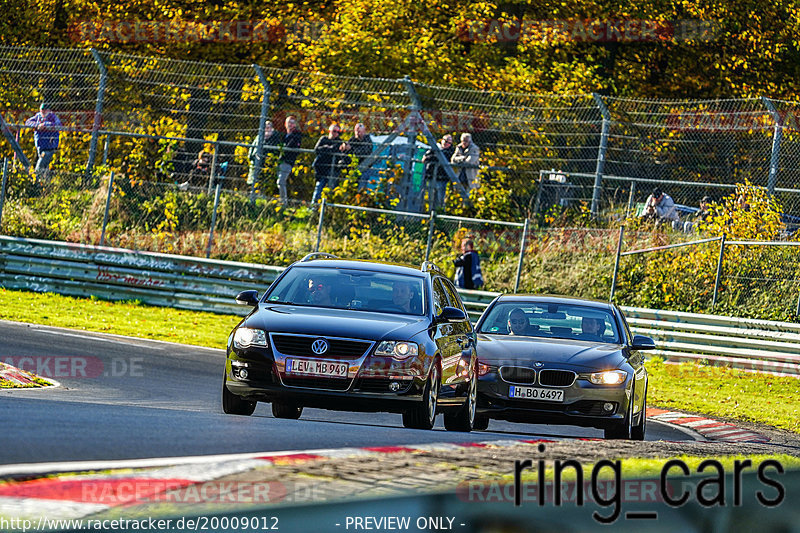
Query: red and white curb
{"points": [[154, 480], [21, 378], [708, 428]]}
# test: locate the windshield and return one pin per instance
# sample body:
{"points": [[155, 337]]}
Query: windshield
{"points": [[558, 321], [347, 288]]}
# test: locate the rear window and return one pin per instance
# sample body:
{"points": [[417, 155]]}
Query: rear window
{"points": [[345, 288], [558, 321]]}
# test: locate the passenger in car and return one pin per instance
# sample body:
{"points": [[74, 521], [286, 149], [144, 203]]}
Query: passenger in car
{"points": [[402, 296]]}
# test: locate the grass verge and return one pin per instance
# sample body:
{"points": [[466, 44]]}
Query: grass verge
{"points": [[721, 392]]}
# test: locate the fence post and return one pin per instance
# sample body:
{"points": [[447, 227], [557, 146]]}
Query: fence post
{"points": [[98, 112], [3, 189], [538, 194], [108, 206], [777, 136], [601, 153], [719, 270], [431, 222], [213, 221], [616, 264], [105, 149], [630, 199], [213, 174], [319, 224], [262, 121], [521, 254], [408, 203]]}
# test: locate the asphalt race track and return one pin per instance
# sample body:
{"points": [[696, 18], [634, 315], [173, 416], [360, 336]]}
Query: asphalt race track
{"points": [[144, 398]]}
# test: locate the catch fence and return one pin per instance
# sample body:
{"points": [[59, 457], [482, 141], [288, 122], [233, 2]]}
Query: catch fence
{"points": [[148, 118]]}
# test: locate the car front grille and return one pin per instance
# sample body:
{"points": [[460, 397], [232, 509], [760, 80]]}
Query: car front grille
{"points": [[300, 345], [518, 374], [381, 385], [338, 384], [557, 378]]}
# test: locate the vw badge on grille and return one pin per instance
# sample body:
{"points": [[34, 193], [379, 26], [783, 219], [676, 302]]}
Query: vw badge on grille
{"points": [[319, 346], [538, 364]]}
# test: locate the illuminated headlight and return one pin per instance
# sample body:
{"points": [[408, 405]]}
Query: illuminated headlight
{"points": [[483, 369], [610, 377], [397, 350], [247, 337]]}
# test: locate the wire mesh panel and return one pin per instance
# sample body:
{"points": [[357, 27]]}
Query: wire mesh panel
{"points": [[318, 100], [708, 141], [760, 281], [204, 102], [62, 207], [518, 134], [375, 234], [66, 81]]}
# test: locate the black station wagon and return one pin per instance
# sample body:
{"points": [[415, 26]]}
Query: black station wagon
{"points": [[357, 336]]}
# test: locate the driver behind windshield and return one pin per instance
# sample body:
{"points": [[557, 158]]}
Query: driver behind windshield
{"points": [[592, 328], [320, 292], [517, 322]]}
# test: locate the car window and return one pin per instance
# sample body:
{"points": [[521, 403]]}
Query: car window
{"points": [[452, 295], [439, 297], [558, 321], [349, 288]]}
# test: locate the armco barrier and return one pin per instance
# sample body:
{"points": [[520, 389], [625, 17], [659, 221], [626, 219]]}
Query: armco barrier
{"points": [[118, 274], [208, 285]]}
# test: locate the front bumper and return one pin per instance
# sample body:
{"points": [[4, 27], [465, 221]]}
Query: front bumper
{"points": [[583, 405]]}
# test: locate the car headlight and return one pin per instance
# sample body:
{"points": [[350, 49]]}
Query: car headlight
{"points": [[247, 337], [609, 377], [483, 369], [397, 350]]}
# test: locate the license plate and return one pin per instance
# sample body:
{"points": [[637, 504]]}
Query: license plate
{"points": [[312, 367], [533, 393]]}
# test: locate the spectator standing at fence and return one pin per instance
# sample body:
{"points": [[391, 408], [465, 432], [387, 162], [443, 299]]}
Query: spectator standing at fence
{"points": [[328, 150], [200, 172], [291, 143], [46, 135], [660, 207], [271, 145], [468, 267], [435, 172], [361, 148], [466, 156]]}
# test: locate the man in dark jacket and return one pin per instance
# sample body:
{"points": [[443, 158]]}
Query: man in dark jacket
{"points": [[328, 150], [361, 147], [468, 267], [291, 142], [46, 134], [435, 172]]}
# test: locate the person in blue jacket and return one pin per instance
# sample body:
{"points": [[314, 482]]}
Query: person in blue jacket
{"points": [[46, 131], [468, 267]]}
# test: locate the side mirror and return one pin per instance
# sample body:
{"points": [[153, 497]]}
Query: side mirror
{"points": [[640, 342], [451, 314], [247, 298]]}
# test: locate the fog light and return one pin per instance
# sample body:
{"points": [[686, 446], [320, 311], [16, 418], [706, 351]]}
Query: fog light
{"points": [[243, 373], [608, 406], [394, 386]]}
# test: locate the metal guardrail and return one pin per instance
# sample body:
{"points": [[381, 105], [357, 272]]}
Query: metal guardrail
{"points": [[209, 285], [118, 274]]}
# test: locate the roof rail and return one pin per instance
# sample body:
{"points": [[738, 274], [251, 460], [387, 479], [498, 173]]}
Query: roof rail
{"points": [[318, 255], [427, 266]]}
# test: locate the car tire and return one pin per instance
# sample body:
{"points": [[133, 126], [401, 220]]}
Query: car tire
{"points": [[286, 410], [464, 418], [423, 415], [638, 431], [233, 404], [481, 423]]}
